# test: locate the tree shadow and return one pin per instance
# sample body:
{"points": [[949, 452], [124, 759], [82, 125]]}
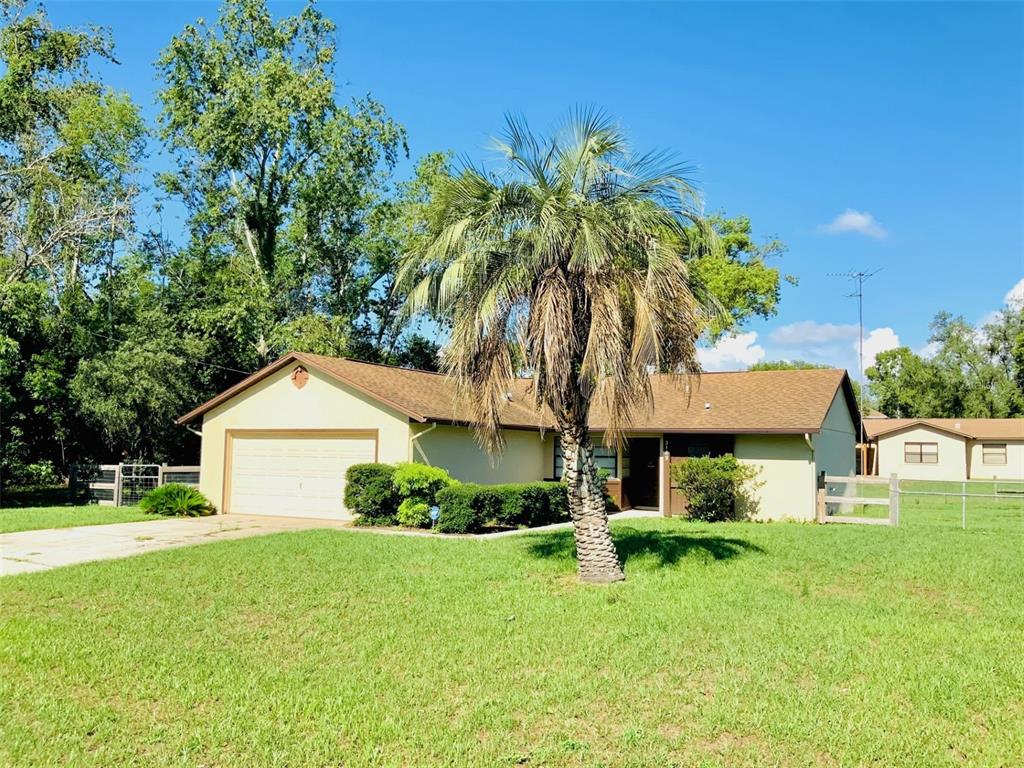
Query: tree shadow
{"points": [[665, 548]]}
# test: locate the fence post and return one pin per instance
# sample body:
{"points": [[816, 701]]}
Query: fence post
{"points": [[819, 507], [117, 484], [72, 482], [665, 476], [963, 505], [160, 474], [894, 500]]}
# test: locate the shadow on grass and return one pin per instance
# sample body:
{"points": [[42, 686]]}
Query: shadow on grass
{"points": [[665, 547]]}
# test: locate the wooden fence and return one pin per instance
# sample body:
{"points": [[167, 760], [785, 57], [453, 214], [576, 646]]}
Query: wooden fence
{"points": [[828, 487], [122, 485]]}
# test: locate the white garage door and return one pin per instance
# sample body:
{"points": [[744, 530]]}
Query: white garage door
{"points": [[294, 475]]}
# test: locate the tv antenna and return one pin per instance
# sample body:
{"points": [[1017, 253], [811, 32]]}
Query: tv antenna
{"points": [[859, 277]]}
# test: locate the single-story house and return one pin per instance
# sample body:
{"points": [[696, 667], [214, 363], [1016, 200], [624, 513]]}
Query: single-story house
{"points": [[279, 442], [947, 449]]}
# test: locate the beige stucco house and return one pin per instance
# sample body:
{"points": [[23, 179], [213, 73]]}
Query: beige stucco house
{"points": [[947, 449], [279, 442]]}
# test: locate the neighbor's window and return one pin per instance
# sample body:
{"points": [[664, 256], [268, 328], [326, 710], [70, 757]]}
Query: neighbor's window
{"points": [[921, 453], [993, 453], [604, 457]]}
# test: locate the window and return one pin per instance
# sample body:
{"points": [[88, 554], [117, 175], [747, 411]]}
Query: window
{"points": [[604, 457], [993, 453], [921, 453]]}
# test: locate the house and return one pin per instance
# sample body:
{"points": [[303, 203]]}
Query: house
{"points": [[279, 442], [947, 449]]}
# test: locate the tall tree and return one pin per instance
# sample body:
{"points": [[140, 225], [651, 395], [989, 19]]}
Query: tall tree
{"points": [[568, 264], [69, 158], [278, 177], [733, 272]]}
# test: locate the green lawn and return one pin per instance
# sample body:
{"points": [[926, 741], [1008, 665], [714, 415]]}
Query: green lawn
{"points": [[728, 645], [34, 518]]}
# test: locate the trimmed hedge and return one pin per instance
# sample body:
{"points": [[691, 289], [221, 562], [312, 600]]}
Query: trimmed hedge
{"points": [[716, 488], [371, 494], [468, 507]]}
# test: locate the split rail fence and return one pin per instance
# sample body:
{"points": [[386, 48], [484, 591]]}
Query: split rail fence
{"points": [[124, 485]]}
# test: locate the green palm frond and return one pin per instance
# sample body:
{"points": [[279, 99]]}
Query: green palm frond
{"points": [[568, 265]]}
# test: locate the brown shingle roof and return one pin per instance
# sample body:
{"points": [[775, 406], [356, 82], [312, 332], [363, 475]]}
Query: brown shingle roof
{"points": [[749, 401], [979, 429]]}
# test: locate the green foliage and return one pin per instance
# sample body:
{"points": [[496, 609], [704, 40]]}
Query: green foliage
{"points": [[281, 181], [787, 365], [464, 508], [732, 269], [468, 507], [370, 493], [716, 488], [414, 513], [176, 500], [420, 481], [972, 372]]}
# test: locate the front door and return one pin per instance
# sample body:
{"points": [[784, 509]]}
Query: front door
{"points": [[641, 485]]}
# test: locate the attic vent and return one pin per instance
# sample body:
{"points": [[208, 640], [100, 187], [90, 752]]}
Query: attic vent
{"points": [[707, 406], [957, 425], [508, 396]]}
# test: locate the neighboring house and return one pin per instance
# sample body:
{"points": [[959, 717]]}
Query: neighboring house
{"points": [[279, 442], [947, 449]]}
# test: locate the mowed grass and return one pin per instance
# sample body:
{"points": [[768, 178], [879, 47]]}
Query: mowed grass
{"points": [[728, 645], [990, 506], [35, 518]]}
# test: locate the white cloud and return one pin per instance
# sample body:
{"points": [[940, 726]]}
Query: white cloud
{"points": [[731, 352], [1015, 296], [877, 340], [929, 350], [808, 333], [861, 222]]}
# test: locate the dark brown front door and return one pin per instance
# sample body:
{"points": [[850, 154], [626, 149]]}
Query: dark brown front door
{"points": [[641, 484]]}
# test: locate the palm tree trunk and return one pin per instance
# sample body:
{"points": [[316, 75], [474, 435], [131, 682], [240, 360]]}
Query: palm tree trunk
{"points": [[595, 551]]}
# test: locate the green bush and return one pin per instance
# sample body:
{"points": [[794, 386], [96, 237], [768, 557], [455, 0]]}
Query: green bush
{"points": [[469, 507], [420, 481], [464, 508], [371, 495], [716, 488], [176, 500], [413, 513]]}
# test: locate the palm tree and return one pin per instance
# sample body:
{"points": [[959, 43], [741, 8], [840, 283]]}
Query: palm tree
{"points": [[569, 265]]}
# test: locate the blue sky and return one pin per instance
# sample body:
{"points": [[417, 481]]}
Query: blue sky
{"points": [[864, 135]]}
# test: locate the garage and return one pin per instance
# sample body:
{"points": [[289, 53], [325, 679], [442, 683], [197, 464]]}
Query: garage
{"points": [[293, 473]]}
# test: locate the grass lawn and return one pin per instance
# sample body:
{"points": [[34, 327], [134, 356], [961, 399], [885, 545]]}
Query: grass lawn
{"points": [[35, 518], [728, 645]]}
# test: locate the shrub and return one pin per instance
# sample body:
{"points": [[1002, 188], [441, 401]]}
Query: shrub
{"points": [[176, 500], [420, 481], [413, 513], [370, 493], [462, 508], [469, 507], [715, 488]]}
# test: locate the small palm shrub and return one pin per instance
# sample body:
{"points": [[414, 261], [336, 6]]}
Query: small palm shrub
{"points": [[176, 500], [370, 493]]}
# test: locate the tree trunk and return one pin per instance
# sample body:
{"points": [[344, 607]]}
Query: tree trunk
{"points": [[595, 551]]}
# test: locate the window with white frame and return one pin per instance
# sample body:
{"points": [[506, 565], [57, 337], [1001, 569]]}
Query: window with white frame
{"points": [[993, 453], [921, 453], [604, 458]]}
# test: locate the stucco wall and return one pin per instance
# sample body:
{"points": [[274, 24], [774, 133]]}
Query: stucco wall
{"points": [[786, 475], [835, 447], [455, 449], [1012, 470], [952, 464], [275, 403]]}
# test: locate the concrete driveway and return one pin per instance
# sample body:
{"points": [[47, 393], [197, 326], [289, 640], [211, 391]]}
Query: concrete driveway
{"points": [[28, 551]]}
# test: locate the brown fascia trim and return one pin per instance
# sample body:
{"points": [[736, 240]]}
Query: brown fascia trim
{"points": [[276, 366], [929, 425]]}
